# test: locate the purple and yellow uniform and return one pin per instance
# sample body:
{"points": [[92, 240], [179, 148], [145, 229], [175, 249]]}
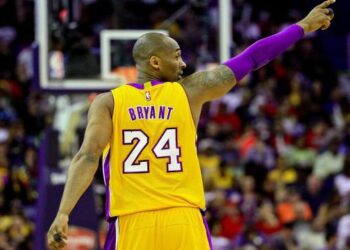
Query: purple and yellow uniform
{"points": [[151, 171]]}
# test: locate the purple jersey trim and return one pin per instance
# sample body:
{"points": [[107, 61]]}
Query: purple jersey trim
{"points": [[141, 86], [156, 82], [136, 85], [106, 169], [208, 233], [110, 243]]}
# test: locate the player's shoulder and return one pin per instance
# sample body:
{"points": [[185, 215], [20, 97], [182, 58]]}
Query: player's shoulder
{"points": [[173, 85], [104, 97], [104, 100], [173, 88]]}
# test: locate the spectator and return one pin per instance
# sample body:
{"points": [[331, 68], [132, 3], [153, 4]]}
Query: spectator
{"points": [[209, 161], [342, 180], [267, 222], [232, 221], [249, 199], [331, 239], [301, 157], [283, 174], [292, 208], [329, 162], [223, 178], [331, 211], [285, 240], [226, 118], [261, 154], [250, 238], [310, 235], [314, 193], [259, 160], [343, 231]]}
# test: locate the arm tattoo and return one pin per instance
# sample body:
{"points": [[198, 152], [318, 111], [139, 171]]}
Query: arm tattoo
{"points": [[89, 157], [221, 76], [209, 85]]}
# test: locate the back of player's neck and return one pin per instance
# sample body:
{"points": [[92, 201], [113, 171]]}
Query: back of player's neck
{"points": [[143, 80]]}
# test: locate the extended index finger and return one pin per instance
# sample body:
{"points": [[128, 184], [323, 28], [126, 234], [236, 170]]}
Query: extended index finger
{"points": [[325, 4]]}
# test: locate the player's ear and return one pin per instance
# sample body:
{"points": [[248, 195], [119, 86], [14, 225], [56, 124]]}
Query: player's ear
{"points": [[154, 61]]}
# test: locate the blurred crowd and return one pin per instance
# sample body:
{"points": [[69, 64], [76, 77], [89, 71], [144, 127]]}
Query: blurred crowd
{"points": [[274, 154], [22, 118]]}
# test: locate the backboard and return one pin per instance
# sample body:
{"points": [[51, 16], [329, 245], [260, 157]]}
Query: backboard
{"points": [[103, 66]]}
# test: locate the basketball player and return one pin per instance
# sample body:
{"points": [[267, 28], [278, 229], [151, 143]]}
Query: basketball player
{"points": [[146, 132]]}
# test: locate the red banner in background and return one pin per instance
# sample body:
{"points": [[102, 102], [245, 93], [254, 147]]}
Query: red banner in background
{"points": [[81, 238]]}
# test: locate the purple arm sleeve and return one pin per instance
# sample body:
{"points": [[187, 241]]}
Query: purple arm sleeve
{"points": [[263, 51]]}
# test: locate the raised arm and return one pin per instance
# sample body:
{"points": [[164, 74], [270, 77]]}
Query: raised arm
{"points": [[209, 85], [83, 166]]}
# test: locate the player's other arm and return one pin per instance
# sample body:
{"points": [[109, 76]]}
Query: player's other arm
{"points": [[83, 166], [209, 85]]}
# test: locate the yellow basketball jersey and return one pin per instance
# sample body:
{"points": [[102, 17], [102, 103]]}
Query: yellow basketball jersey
{"points": [[151, 161]]}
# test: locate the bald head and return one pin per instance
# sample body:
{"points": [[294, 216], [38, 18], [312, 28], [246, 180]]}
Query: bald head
{"points": [[150, 44], [158, 56]]}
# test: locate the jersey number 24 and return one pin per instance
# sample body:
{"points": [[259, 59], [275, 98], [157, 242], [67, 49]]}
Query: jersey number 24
{"points": [[166, 147]]}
